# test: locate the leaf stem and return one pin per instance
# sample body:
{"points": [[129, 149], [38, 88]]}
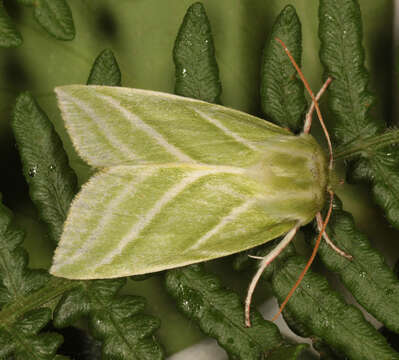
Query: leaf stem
{"points": [[54, 288], [363, 145]]}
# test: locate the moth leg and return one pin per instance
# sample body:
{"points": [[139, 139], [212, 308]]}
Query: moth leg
{"points": [[309, 115], [312, 257], [264, 263], [256, 257], [328, 240]]}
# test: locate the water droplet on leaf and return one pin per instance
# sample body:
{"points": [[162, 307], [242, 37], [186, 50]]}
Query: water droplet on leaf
{"points": [[32, 171], [192, 302]]}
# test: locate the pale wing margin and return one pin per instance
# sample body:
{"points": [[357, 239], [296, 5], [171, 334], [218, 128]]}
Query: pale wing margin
{"points": [[112, 126], [131, 220]]}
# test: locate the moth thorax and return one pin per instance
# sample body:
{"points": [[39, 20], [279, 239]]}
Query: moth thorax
{"points": [[293, 174]]}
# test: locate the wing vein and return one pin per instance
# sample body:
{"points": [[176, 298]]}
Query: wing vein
{"points": [[225, 130], [234, 213], [119, 146], [138, 122]]}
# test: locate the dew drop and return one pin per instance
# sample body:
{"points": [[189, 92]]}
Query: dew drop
{"points": [[191, 301], [363, 274], [206, 41], [32, 171], [51, 167], [184, 72]]}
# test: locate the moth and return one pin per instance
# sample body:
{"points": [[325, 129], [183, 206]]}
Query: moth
{"points": [[182, 181]]}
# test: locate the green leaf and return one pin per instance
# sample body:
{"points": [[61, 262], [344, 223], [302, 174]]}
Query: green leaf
{"points": [[56, 18], [366, 147], [297, 327], [18, 333], [381, 168], [282, 95], [288, 352], [23, 341], [105, 70], [52, 183], [9, 35], [116, 320], [342, 55], [326, 353], [367, 276], [220, 314], [15, 279], [197, 74], [325, 314]]}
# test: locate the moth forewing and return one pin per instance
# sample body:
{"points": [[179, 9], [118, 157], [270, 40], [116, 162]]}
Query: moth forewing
{"points": [[184, 181], [112, 126]]}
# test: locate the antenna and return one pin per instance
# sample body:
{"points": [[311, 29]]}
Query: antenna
{"points": [[314, 100]]}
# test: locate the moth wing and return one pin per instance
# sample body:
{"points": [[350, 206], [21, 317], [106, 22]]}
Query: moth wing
{"points": [[130, 220], [112, 126]]}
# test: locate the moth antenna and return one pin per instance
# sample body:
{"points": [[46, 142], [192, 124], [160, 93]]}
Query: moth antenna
{"points": [[309, 115], [310, 261], [314, 100], [263, 265]]}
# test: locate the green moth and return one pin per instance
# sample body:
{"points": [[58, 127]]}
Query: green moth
{"points": [[180, 181]]}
